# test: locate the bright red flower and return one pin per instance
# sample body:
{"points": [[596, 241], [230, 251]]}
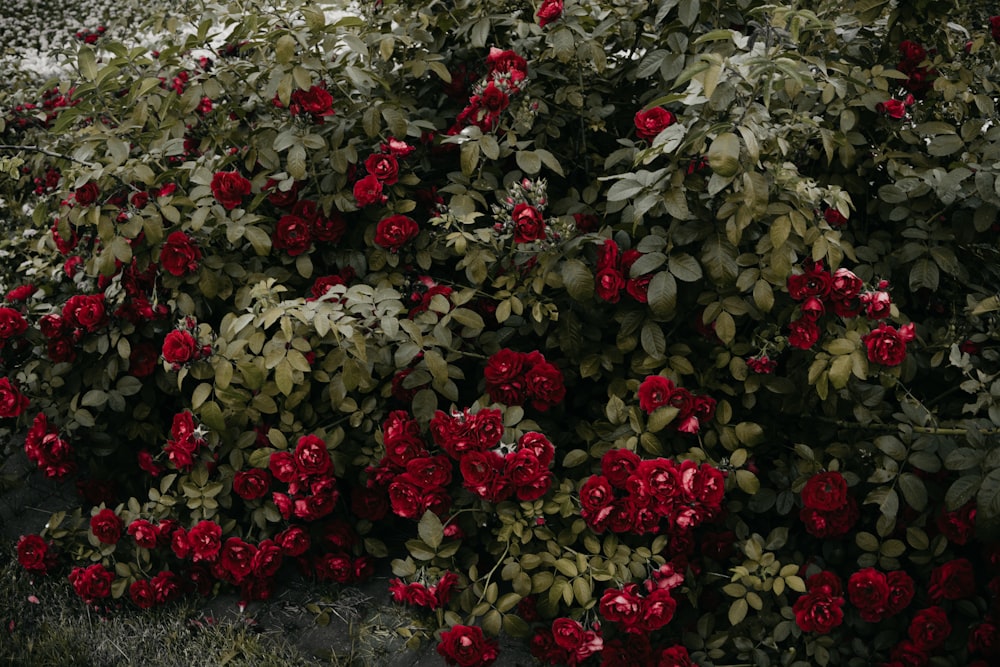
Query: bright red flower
{"points": [[179, 255], [229, 188], [650, 123], [467, 646]]}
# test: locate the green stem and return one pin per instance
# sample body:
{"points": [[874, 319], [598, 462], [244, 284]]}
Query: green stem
{"points": [[39, 149]]}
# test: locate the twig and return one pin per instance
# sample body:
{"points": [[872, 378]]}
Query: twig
{"points": [[43, 151]]}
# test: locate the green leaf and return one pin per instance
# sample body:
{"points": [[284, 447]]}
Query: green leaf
{"points": [[430, 529], [578, 279], [724, 154], [988, 497], [924, 274], [738, 611], [211, 415], [685, 267], [963, 458], [284, 49], [914, 491], [529, 162], [961, 491], [945, 144], [891, 447], [662, 294], [87, 61]]}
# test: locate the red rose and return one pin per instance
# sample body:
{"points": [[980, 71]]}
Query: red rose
{"points": [[877, 305], [814, 281], [818, 612], [229, 188], [892, 108], [236, 559], [316, 101], [252, 484], [329, 229], [617, 465], [834, 218], [504, 370], [550, 11], [142, 594], [393, 232], [35, 554], [179, 347], [825, 491], [529, 225], [887, 345], [92, 583], [429, 472], [929, 628], [650, 123], [12, 402], [166, 587], [953, 580], [87, 194], [540, 445], [106, 526], [487, 428], [825, 582], [544, 382], [85, 311], [657, 610], [638, 288], [702, 484], [12, 323], [675, 656], [336, 567], [567, 633], [281, 198], [205, 540], [621, 606], [406, 497], [368, 190], [292, 234], [803, 333], [293, 541], [596, 494], [312, 457], [384, 167], [833, 523], [20, 293], [958, 526], [179, 255], [503, 62], [901, 591], [985, 639], [995, 28], [586, 222], [266, 560], [912, 52], [845, 285], [144, 533], [609, 284], [466, 646], [655, 392], [868, 590]]}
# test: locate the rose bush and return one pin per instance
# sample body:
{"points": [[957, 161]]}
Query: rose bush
{"points": [[653, 333]]}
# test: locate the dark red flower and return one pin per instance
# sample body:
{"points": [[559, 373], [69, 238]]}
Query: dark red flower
{"points": [[229, 188], [179, 255]]}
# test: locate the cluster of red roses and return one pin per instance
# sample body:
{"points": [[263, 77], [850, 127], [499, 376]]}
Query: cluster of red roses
{"points": [[82, 314], [520, 378], [638, 650], [417, 480], [506, 73], [25, 115], [419, 594], [641, 496], [614, 274], [818, 291], [186, 440], [46, 449], [383, 170], [828, 510], [181, 346], [309, 473], [657, 391], [316, 102]]}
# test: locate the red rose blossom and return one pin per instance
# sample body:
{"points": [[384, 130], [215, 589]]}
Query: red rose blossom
{"points": [[292, 234], [229, 188], [803, 333], [655, 392], [179, 255], [179, 347], [529, 225], [394, 232], [106, 526], [929, 628], [825, 491], [205, 541], [368, 191], [650, 123], [35, 554], [550, 11], [12, 402], [92, 583], [384, 167], [467, 646], [886, 345]]}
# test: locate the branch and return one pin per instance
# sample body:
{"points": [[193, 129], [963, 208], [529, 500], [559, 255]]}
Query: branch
{"points": [[43, 151]]}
